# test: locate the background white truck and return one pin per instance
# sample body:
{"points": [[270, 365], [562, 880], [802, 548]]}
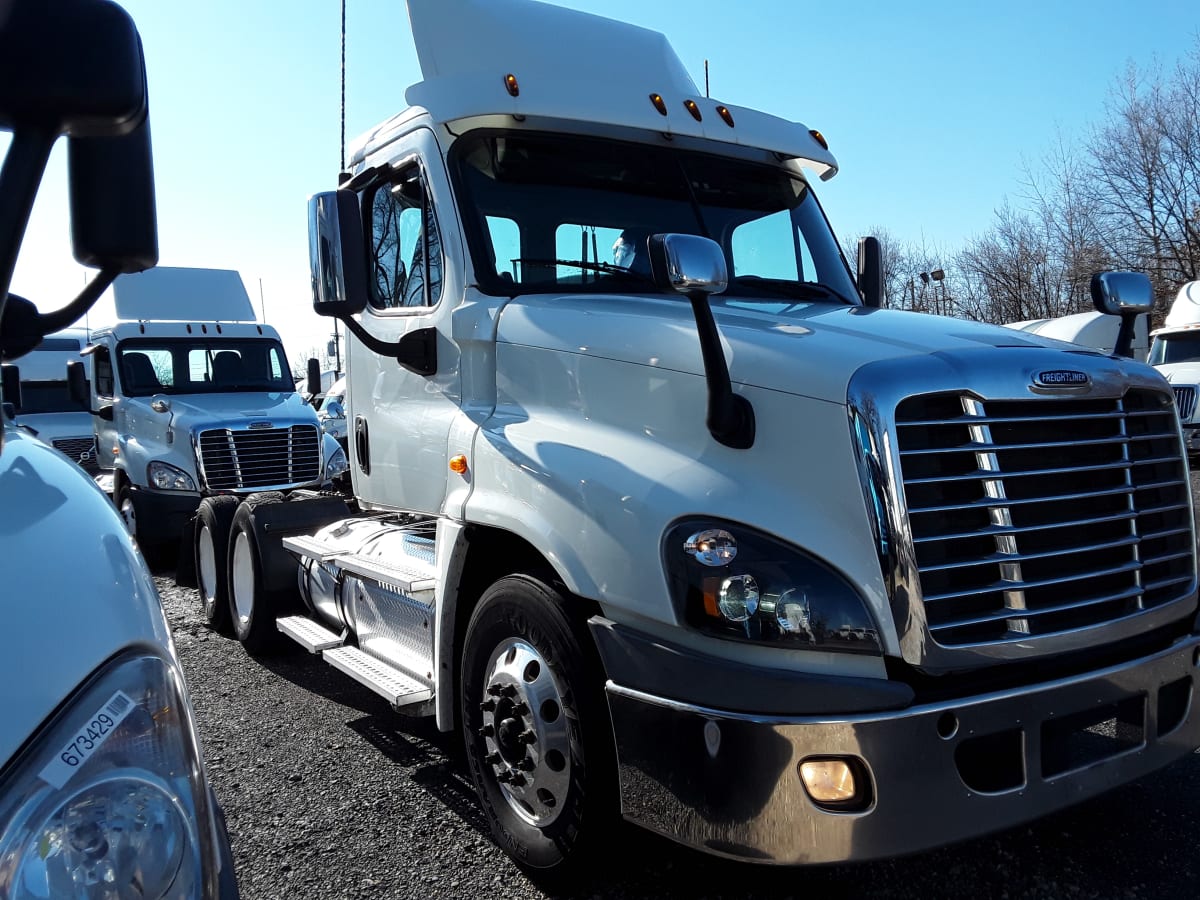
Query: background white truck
{"points": [[659, 510], [1175, 352], [45, 402], [192, 397], [103, 791]]}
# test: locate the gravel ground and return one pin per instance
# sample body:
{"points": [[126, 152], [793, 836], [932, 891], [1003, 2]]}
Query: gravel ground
{"points": [[330, 794]]}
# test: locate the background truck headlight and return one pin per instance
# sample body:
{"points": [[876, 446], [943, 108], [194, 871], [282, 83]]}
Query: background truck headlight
{"points": [[168, 478], [337, 465], [766, 592], [109, 799]]}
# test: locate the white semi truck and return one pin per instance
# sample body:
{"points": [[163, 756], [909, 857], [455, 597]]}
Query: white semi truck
{"points": [[46, 406], [103, 790], [1175, 352], [660, 511], [191, 397]]}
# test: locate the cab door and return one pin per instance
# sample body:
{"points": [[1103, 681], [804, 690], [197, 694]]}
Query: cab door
{"points": [[104, 397], [398, 419]]}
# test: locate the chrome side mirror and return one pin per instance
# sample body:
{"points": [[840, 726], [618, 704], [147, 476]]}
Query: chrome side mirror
{"points": [[337, 260], [1114, 293], [688, 263]]}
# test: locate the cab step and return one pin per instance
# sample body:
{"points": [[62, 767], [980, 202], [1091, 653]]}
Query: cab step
{"points": [[398, 688], [312, 636]]}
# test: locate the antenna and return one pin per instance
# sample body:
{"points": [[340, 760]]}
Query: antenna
{"points": [[262, 303], [706, 93], [342, 167]]}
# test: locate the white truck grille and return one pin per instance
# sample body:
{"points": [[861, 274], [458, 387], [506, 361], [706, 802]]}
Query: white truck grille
{"points": [[1033, 517], [1185, 399], [236, 459]]}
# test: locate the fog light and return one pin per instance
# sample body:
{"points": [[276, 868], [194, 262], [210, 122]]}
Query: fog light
{"points": [[829, 780]]}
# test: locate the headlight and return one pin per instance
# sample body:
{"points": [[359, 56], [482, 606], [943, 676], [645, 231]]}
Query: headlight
{"points": [[337, 464], [168, 478], [735, 582], [109, 800]]}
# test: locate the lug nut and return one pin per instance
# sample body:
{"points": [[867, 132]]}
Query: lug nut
{"points": [[495, 690], [492, 759], [521, 709], [504, 777], [487, 706], [527, 737], [526, 765], [508, 691], [516, 779], [487, 731]]}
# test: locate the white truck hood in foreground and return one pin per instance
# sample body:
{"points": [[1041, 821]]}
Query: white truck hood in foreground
{"points": [[70, 575], [769, 345]]}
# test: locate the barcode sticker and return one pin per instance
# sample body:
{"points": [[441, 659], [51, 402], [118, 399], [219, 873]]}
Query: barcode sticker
{"points": [[90, 737]]}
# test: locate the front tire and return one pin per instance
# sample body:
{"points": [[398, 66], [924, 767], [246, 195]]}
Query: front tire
{"points": [[535, 727], [252, 608], [214, 519]]}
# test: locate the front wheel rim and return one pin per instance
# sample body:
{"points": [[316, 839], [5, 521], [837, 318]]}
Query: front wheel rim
{"points": [[241, 582], [528, 747], [129, 515], [207, 565]]}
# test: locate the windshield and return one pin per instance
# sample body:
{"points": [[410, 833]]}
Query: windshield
{"points": [[1175, 348], [551, 212], [202, 367]]}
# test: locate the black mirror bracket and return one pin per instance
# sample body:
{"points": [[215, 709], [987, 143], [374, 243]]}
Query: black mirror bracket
{"points": [[730, 417], [416, 351]]}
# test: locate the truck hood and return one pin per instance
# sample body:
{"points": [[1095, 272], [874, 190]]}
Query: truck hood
{"points": [[1180, 373], [75, 591], [802, 348], [200, 411]]}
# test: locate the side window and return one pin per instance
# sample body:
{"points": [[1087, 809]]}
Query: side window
{"points": [[406, 247], [767, 248], [102, 363]]}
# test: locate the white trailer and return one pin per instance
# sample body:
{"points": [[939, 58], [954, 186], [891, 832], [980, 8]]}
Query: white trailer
{"points": [[660, 511]]}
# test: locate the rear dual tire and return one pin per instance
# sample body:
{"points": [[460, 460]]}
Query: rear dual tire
{"points": [[252, 608]]}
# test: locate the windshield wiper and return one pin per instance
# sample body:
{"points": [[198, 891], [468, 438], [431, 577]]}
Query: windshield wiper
{"points": [[796, 290], [602, 267]]}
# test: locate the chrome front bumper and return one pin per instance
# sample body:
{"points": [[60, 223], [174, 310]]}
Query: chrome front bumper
{"points": [[728, 783]]}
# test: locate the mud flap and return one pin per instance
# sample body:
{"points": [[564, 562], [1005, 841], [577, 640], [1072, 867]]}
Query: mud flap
{"points": [[185, 566]]}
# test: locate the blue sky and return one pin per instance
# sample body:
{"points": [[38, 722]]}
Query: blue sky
{"points": [[933, 109]]}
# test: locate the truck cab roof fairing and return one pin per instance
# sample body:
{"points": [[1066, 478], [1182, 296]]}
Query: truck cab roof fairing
{"points": [[572, 65]]}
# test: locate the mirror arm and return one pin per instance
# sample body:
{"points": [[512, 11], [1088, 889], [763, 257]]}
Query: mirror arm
{"points": [[61, 318], [1125, 336], [416, 351], [19, 179], [730, 417]]}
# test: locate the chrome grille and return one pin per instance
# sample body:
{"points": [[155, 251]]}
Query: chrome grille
{"points": [[1032, 517], [81, 450], [1185, 399], [234, 459]]}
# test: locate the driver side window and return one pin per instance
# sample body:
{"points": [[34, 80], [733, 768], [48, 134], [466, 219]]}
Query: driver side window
{"points": [[406, 247]]}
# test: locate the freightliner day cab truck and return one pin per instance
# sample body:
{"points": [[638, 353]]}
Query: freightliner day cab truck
{"points": [[103, 792], [192, 397], [1175, 352], [658, 509]]}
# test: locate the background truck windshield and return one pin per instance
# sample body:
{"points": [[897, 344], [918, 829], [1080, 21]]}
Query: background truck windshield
{"points": [[1175, 348], [556, 212], [202, 367]]}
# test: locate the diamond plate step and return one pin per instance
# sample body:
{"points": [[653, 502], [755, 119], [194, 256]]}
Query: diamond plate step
{"points": [[395, 686], [310, 635], [310, 547], [410, 579]]}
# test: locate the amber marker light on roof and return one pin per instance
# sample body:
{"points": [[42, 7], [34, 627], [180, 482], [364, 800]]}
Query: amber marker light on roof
{"points": [[726, 115], [659, 103], [510, 84], [819, 138], [693, 109], [458, 465]]}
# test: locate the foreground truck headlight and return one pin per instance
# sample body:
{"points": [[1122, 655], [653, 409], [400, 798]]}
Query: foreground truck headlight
{"points": [[168, 478], [108, 801], [736, 582]]}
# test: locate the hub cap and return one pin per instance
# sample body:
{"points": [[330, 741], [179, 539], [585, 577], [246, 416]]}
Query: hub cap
{"points": [[208, 565], [242, 581], [525, 732]]}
